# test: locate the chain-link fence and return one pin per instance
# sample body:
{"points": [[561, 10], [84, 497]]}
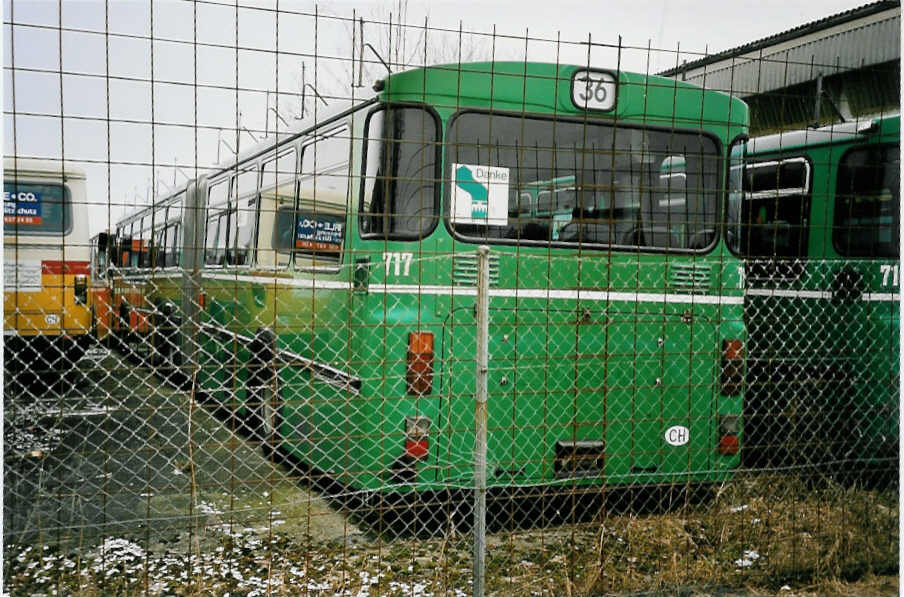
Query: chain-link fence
{"points": [[524, 318]]}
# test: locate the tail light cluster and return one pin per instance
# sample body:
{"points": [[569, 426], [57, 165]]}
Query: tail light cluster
{"points": [[729, 428], [732, 381], [419, 364], [418, 382], [732, 367], [417, 444]]}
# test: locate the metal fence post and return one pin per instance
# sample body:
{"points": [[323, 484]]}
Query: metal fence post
{"points": [[480, 420]]}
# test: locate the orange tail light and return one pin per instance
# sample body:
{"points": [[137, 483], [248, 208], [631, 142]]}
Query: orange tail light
{"points": [[419, 364]]}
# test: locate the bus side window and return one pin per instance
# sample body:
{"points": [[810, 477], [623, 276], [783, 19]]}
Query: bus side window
{"points": [[158, 256], [173, 234], [278, 189], [775, 209], [214, 237], [545, 203], [242, 220], [100, 255], [144, 248], [210, 244], [318, 229], [173, 254], [867, 207]]}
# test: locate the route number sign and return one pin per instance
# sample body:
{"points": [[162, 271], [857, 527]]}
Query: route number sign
{"points": [[593, 90]]}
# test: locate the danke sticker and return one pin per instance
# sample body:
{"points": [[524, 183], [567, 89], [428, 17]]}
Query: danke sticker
{"points": [[480, 195]]}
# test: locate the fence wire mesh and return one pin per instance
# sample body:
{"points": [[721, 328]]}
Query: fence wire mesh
{"points": [[241, 342]]}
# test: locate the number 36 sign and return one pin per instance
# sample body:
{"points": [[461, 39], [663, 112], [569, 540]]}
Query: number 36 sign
{"points": [[593, 90]]}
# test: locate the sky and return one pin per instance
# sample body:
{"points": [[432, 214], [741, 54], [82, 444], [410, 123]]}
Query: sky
{"points": [[140, 116]]}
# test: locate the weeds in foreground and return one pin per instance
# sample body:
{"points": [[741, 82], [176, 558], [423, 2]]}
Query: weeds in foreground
{"points": [[766, 534]]}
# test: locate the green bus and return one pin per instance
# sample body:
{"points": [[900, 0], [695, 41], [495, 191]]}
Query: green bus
{"points": [[337, 279], [818, 226]]}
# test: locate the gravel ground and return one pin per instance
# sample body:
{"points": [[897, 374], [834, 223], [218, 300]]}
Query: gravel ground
{"points": [[110, 456]]}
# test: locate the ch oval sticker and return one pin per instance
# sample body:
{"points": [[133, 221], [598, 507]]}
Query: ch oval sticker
{"points": [[677, 435]]}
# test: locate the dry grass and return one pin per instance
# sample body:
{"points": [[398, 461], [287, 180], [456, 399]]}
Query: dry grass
{"points": [[758, 535]]}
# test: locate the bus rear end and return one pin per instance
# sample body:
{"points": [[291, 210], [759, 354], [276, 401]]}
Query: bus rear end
{"points": [[616, 333], [46, 310]]}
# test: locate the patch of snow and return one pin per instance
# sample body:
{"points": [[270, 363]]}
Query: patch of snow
{"points": [[747, 559], [208, 508]]}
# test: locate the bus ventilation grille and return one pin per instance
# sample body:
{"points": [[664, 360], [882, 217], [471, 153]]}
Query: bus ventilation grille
{"points": [[464, 270], [689, 278]]}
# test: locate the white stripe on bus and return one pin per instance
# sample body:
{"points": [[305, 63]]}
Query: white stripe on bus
{"points": [[522, 293], [293, 282], [872, 297], [784, 293], [543, 293], [881, 296]]}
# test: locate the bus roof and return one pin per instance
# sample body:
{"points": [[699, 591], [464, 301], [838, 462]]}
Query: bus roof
{"points": [[159, 203], [837, 133], [41, 167], [336, 108], [542, 87]]}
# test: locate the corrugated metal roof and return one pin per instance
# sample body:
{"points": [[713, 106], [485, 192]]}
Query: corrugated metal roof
{"points": [[858, 38]]}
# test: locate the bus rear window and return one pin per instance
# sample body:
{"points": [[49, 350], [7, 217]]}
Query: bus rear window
{"points": [[398, 197], [532, 180], [38, 209], [866, 202]]}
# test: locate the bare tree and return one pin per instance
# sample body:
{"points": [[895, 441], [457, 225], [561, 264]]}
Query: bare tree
{"points": [[387, 40], [378, 42]]}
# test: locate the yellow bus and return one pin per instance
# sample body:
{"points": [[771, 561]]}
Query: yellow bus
{"points": [[46, 275]]}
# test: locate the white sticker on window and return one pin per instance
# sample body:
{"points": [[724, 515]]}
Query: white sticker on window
{"points": [[22, 276], [480, 195]]}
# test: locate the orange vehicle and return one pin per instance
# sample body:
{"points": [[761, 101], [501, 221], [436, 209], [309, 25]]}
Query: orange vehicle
{"points": [[121, 261], [100, 291], [117, 298], [46, 273]]}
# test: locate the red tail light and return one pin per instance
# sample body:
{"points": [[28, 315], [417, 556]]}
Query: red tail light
{"points": [[419, 364], [418, 449], [733, 349], [729, 430], [417, 444], [732, 366], [729, 445], [202, 300]]}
